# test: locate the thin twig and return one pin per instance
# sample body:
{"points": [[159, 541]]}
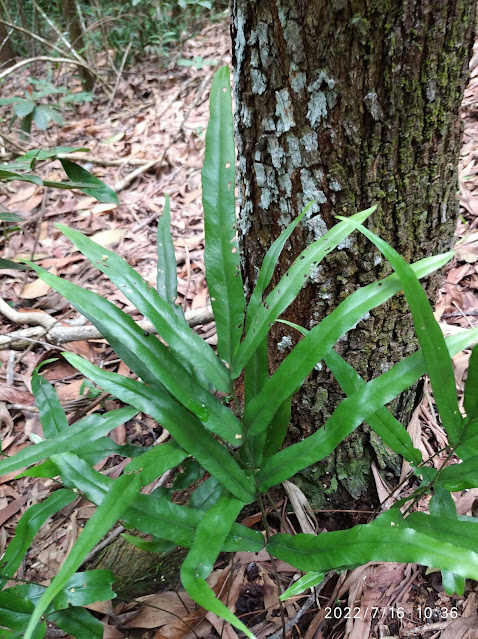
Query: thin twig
{"points": [[46, 327], [106, 541], [118, 77], [59, 33], [15, 146], [34, 36], [76, 157], [42, 58], [308, 603]]}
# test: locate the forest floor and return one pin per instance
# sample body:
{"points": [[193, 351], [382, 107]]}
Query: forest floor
{"points": [[161, 116]]}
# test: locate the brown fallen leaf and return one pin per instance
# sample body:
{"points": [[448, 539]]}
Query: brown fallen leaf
{"points": [[462, 628], [37, 288], [106, 238], [161, 609]]}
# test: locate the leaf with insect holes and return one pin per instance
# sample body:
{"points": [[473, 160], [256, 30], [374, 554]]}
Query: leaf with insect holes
{"points": [[221, 250]]}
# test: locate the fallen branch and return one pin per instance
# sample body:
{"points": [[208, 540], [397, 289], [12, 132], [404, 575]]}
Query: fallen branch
{"points": [[76, 157], [47, 329], [43, 58]]}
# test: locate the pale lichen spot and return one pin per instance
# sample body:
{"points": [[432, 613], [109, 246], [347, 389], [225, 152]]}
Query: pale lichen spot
{"points": [[309, 141], [317, 226], [317, 108], [276, 152], [285, 343], [286, 184], [284, 111], [259, 82], [294, 153], [346, 243], [265, 199], [373, 106], [260, 174], [298, 80], [245, 116]]}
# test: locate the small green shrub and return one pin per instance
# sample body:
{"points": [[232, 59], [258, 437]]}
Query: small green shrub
{"points": [[21, 170], [241, 449], [38, 108]]}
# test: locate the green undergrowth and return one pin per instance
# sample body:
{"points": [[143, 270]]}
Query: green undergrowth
{"points": [[178, 382]]}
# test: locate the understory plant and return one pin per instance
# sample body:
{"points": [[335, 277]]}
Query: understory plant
{"points": [[21, 170], [32, 109], [182, 384]]}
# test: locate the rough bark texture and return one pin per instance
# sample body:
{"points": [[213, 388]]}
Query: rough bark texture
{"points": [[6, 49], [348, 103], [138, 572]]}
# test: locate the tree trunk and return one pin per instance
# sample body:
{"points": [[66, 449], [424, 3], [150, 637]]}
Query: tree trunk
{"points": [[348, 103], [6, 49], [138, 572], [76, 40]]}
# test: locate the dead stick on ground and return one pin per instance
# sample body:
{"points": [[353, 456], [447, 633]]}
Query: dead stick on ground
{"points": [[75, 157], [46, 327]]}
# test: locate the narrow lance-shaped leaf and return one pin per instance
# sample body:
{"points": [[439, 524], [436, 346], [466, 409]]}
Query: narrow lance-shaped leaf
{"points": [[92, 453], [9, 176], [256, 371], [86, 430], [287, 290], [15, 612], [52, 415], [350, 413], [269, 264], [148, 357], [86, 587], [121, 494], [210, 536], [78, 622], [184, 427], [153, 463], [388, 538], [389, 429], [471, 387], [96, 188], [297, 365], [184, 343], [459, 476], [152, 514], [429, 334], [442, 505], [167, 276], [221, 250], [37, 155], [28, 526], [455, 531], [309, 580]]}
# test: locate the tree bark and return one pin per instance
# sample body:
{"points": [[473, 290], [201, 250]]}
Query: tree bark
{"points": [[348, 103], [6, 49], [76, 40]]}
